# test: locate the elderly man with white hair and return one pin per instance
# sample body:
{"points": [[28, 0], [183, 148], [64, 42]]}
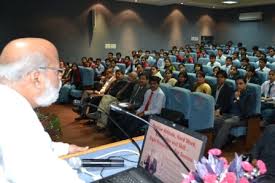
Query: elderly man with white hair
{"points": [[29, 78]]}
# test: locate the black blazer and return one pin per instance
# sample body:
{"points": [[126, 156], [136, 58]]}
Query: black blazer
{"points": [[224, 99]]}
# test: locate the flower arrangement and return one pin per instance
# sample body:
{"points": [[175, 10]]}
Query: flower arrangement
{"points": [[216, 169]]}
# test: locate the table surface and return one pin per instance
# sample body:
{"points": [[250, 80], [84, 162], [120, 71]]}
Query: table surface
{"points": [[102, 150]]}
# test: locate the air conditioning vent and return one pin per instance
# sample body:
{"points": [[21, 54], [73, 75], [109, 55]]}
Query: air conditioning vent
{"points": [[252, 16]]}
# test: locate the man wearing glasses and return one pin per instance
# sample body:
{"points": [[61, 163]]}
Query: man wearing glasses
{"points": [[30, 78], [242, 104]]}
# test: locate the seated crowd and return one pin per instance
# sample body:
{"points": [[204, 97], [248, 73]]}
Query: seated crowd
{"points": [[137, 84]]}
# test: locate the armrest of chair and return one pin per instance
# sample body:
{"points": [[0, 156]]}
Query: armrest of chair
{"points": [[253, 130]]}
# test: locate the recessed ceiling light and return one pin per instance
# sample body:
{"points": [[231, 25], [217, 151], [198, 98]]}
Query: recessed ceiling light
{"points": [[181, 3], [230, 1]]}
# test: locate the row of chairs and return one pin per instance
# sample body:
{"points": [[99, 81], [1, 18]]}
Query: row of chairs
{"points": [[198, 109]]}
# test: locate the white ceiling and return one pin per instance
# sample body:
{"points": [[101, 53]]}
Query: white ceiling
{"points": [[204, 3]]}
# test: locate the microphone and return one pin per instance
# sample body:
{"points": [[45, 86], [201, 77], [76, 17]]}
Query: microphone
{"points": [[77, 163], [118, 126], [118, 109]]}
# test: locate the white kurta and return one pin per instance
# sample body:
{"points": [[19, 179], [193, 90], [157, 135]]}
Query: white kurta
{"points": [[27, 153]]}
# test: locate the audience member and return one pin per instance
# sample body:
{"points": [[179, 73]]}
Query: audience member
{"points": [[181, 68], [220, 55], [251, 76], [168, 78], [215, 71], [242, 108], [155, 72], [213, 63], [198, 68], [168, 65], [228, 65], [154, 99], [223, 94], [271, 53], [201, 85], [99, 68], [262, 66], [234, 73], [183, 81]]}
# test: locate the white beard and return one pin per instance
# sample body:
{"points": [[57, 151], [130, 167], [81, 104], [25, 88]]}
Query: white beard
{"points": [[49, 96]]}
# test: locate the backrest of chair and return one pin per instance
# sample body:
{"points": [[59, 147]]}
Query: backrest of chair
{"points": [[207, 69], [176, 74], [203, 61], [237, 63], [242, 72], [263, 76], [231, 83], [270, 60], [121, 66], [256, 89], [189, 67], [252, 58], [176, 64], [212, 81], [194, 56], [272, 66], [254, 64], [87, 76], [166, 90], [173, 58], [201, 111], [192, 78], [151, 61], [180, 100]]}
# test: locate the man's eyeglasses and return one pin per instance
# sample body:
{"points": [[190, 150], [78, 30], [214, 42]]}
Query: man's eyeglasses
{"points": [[59, 70]]}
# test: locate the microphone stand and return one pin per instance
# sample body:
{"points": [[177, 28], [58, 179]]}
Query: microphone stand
{"points": [[118, 126], [116, 108]]}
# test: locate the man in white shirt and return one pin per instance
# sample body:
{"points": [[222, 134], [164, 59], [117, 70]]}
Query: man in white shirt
{"points": [[29, 78], [262, 66], [271, 53], [228, 64], [154, 99], [213, 63], [220, 55], [268, 92]]}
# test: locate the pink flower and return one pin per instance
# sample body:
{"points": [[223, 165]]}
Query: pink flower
{"points": [[210, 178], [215, 152], [261, 166], [225, 162], [188, 178], [243, 180], [230, 177], [247, 166]]}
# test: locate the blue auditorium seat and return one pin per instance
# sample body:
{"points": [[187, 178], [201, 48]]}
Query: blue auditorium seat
{"points": [[262, 76], [166, 90], [253, 58], [176, 64], [207, 70], [254, 64], [242, 72], [175, 74], [194, 56], [87, 78], [192, 78], [189, 67], [173, 58], [272, 66], [212, 81], [237, 63], [270, 60], [121, 66], [201, 112], [231, 83], [203, 61], [180, 100]]}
